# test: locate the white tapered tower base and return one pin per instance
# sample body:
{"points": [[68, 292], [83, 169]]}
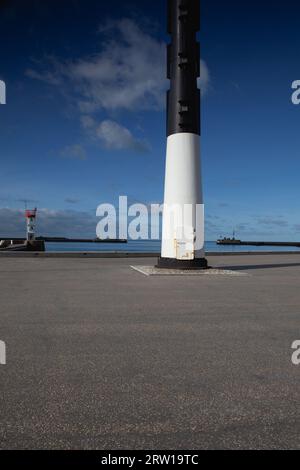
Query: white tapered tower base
{"points": [[183, 218]]}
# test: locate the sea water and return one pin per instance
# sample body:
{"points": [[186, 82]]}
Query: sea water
{"points": [[150, 246]]}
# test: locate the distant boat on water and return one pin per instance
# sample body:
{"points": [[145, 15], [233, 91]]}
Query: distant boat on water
{"points": [[228, 240], [235, 241]]}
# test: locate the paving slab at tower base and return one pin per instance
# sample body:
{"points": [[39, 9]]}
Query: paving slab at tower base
{"points": [[154, 271]]}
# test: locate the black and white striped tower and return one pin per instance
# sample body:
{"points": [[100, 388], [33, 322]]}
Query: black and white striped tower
{"points": [[183, 217]]}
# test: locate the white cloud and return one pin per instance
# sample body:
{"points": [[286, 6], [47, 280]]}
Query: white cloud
{"points": [[204, 80], [50, 77], [128, 74], [278, 221], [87, 122], [75, 151], [118, 137], [71, 200], [60, 223]]}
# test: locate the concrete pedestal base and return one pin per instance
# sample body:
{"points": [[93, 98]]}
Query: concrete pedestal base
{"points": [[172, 263]]}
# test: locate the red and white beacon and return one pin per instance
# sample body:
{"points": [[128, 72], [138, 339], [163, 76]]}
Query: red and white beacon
{"points": [[30, 223]]}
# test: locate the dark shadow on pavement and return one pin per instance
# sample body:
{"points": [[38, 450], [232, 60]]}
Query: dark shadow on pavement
{"points": [[258, 266]]}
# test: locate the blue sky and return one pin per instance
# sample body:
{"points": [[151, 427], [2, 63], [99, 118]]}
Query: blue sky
{"points": [[85, 115]]}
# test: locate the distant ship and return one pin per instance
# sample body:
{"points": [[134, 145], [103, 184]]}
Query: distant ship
{"points": [[229, 241], [235, 241]]}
